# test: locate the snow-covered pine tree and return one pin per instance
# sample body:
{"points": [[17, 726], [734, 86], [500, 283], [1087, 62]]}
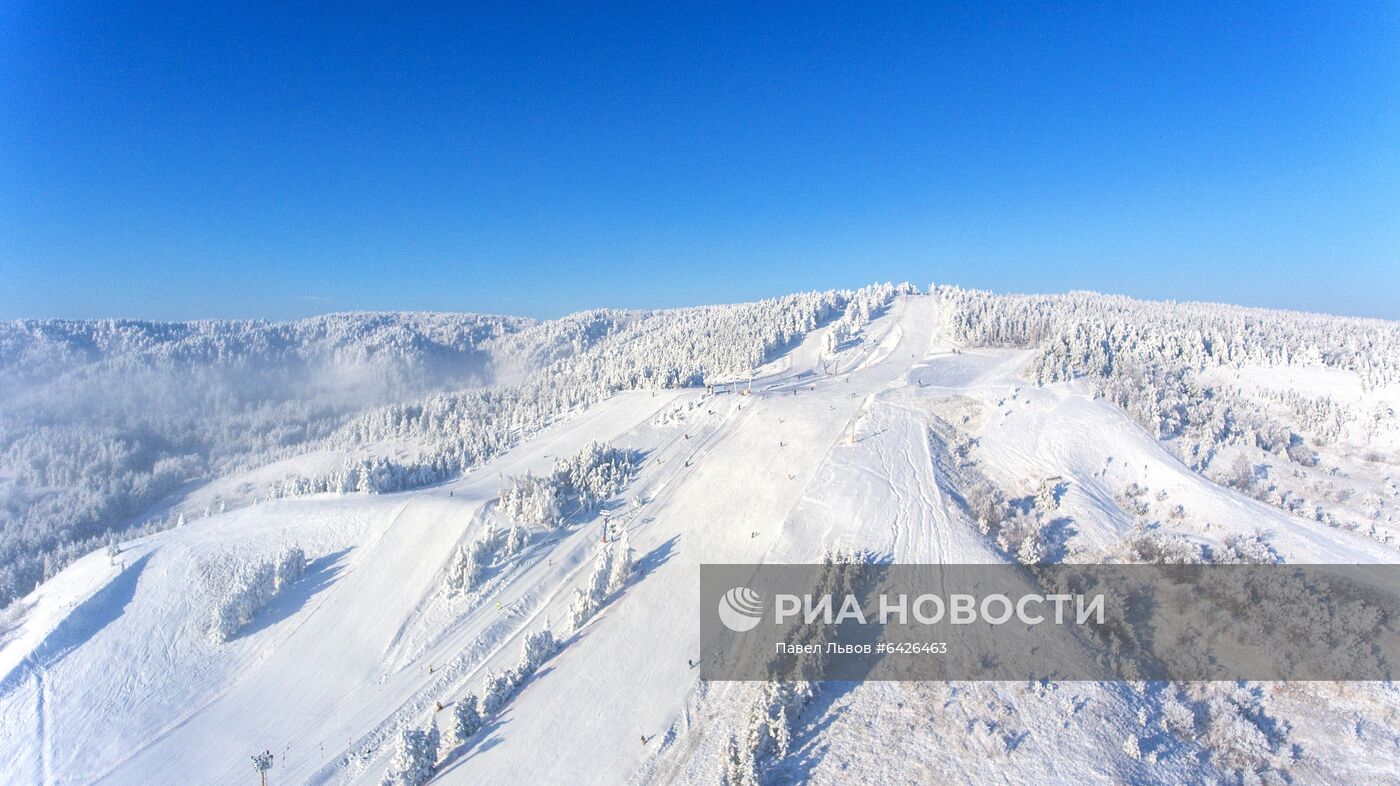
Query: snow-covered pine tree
{"points": [[251, 588], [537, 648], [517, 538], [619, 562], [465, 572], [466, 718], [1047, 495], [780, 733], [249, 591], [414, 758], [531, 499], [433, 742], [582, 608], [739, 767], [496, 688], [291, 564]]}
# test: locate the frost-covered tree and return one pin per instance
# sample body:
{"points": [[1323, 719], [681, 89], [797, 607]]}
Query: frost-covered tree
{"points": [[832, 339], [1251, 549], [496, 688], [291, 564], [579, 483], [1148, 544], [537, 648], [986, 505], [582, 608], [619, 561], [466, 718], [612, 566], [1239, 475], [470, 561], [250, 589], [739, 766], [415, 756], [466, 570], [517, 538], [531, 499], [1047, 495], [780, 732], [766, 734]]}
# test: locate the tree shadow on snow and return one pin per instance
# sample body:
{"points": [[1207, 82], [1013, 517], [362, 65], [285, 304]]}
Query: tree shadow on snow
{"points": [[808, 747], [657, 557], [1057, 533], [486, 738], [320, 573]]}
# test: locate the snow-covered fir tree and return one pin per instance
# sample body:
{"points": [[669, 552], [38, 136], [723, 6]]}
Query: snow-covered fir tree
{"points": [[517, 538], [415, 757], [466, 718], [581, 608], [537, 648], [531, 499], [619, 561], [250, 589], [471, 560]]}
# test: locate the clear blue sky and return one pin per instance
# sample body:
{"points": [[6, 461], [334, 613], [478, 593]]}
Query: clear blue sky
{"points": [[182, 161]]}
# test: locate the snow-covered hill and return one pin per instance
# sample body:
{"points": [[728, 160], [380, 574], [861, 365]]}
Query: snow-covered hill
{"points": [[875, 424]]}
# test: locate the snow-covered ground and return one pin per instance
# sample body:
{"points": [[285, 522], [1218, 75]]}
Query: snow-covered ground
{"points": [[107, 674]]}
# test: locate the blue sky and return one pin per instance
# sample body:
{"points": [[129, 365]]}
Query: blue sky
{"points": [[176, 161]]}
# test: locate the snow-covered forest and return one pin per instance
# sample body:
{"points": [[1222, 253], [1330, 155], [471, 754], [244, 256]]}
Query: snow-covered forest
{"points": [[586, 358], [104, 421], [1148, 358], [100, 421], [1175, 368], [423, 548]]}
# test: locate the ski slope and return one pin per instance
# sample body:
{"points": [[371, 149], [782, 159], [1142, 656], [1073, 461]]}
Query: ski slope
{"points": [[106, 675]]}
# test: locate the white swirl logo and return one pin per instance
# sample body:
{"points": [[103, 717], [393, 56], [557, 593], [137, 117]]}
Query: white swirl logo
{"points": [[740, 609]]}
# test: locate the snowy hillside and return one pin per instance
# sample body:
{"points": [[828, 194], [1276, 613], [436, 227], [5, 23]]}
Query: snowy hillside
{"points": [[363, 570]]}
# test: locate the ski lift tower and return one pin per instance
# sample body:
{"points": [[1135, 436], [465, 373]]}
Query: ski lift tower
{"points": [[262, 763]]}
